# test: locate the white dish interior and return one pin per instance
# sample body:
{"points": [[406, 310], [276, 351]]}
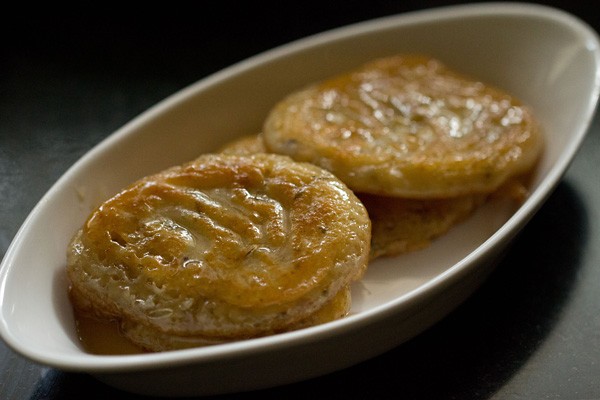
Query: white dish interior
{"points": [[545, 57]]}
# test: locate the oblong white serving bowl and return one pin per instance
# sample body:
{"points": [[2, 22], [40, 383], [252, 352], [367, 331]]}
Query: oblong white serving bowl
{"points": [[544, 56]]}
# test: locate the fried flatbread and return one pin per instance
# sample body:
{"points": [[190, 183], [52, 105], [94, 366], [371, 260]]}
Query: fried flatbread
{"points": [[224, 248], [404, 225], [407, 126], [249, 144]]}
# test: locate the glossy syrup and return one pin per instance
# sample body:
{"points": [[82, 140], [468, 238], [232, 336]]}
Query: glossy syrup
{"points": [[103, 337]]}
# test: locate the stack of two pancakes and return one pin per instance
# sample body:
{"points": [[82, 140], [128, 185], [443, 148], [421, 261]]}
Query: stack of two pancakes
{"points": [[267, 235]]}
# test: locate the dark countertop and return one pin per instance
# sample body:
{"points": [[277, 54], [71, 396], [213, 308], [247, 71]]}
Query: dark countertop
{"points": [[531, 331]]}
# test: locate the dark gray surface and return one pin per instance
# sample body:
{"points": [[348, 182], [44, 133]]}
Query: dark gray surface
{"points": [[532, 331]]}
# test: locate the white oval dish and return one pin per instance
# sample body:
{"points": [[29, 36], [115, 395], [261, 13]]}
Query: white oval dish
{"points": [[544, 56]]}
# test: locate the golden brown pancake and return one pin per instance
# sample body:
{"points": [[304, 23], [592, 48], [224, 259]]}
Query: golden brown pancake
{"points": [[407, 126], [403, 225], [224, 248], [249, 144]]}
